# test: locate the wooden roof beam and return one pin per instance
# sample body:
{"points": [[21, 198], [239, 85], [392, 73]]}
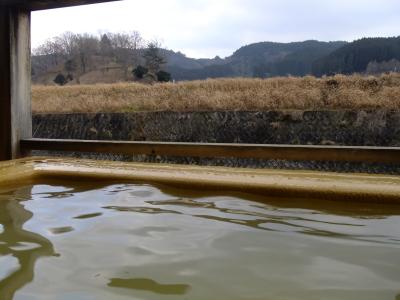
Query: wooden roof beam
{"points": [[32, 5]]}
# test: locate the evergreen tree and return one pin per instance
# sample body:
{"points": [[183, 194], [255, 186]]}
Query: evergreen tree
{"points": [[139, 72], [355, 57], [60, 79], [106, 48], [153, 58], [163, 76]]}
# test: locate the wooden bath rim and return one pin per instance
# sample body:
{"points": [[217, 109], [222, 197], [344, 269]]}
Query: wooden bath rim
{"points": [[274, 183]]}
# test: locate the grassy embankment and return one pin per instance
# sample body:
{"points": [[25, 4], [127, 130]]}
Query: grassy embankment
{"points": [[308, 93]]}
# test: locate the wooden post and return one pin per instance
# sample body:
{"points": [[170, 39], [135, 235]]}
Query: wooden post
{"points": [[15, 80]]}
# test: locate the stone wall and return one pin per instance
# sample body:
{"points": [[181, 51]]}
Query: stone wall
{"points": [[351, 128], [375, 128]]}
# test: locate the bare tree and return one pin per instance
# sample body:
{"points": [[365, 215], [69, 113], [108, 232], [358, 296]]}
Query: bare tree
{"points": [[87, 45], [81, 53], [137, 43], [375, 67], [51, 49], [61, 50], [68, 43], [126, 49]]}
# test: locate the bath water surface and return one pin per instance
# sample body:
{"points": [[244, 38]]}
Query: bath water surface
{"points": [[87, 241]]}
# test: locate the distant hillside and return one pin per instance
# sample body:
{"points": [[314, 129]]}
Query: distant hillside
{"points": [[356, 56], [261, 60], [108, 60]]}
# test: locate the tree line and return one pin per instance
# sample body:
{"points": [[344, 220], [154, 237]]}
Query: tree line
{"points": [[76, 54], [73, 55], [358, 56]]}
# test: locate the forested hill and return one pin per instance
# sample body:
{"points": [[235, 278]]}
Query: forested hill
{"points": [[365, 55], [266, 59], [107, 59]]}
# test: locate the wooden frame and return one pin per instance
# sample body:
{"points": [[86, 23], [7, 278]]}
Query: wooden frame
{"points": [[15, 80], [16, 119], [283, 152], [33, 5], [277, 184], [15, 70]]}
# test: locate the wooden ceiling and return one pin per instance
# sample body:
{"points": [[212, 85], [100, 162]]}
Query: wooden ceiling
{"points": [[47, 4]]}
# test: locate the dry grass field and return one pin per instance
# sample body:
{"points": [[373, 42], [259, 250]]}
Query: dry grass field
{"points": [[307, 93]]}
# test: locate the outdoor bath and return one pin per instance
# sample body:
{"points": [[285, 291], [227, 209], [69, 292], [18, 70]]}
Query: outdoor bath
{"points": [[73, 229]]}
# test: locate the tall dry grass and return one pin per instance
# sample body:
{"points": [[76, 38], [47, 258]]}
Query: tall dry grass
{"points": [[307, 93]]}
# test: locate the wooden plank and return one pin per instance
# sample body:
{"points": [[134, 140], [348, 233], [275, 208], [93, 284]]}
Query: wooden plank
{"points": [[15, 81], [48, 4], [284, 152], [281, 185], [5, 83]]}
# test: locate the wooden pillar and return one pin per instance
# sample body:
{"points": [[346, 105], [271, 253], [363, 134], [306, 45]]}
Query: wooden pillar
{"points": [[15, 80]]}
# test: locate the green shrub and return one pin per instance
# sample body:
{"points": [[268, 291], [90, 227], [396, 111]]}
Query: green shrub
{"points": [[60, 79], [139, 72], [163, 76]]}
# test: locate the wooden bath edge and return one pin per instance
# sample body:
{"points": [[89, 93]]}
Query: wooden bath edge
{"points": [[276, 183]]}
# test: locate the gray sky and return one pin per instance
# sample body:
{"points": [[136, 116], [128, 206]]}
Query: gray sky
{"points": [[206, 28]]}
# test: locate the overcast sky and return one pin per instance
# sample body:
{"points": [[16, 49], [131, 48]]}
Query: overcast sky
{"points": [[206, 28]]}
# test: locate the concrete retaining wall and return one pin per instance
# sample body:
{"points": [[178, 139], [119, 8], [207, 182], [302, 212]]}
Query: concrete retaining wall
{"points": [[352, 128], [278, 127]]}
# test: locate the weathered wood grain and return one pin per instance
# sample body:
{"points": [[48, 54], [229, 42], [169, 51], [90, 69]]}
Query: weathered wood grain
{"points": [[15, 81], [284, 152]]}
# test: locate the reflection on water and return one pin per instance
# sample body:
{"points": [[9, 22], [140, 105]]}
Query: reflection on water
{"points": [[61, 230], [146, 210], [125, 241], [273, 222], [89, 216], [14, 240], [149, 285]]}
